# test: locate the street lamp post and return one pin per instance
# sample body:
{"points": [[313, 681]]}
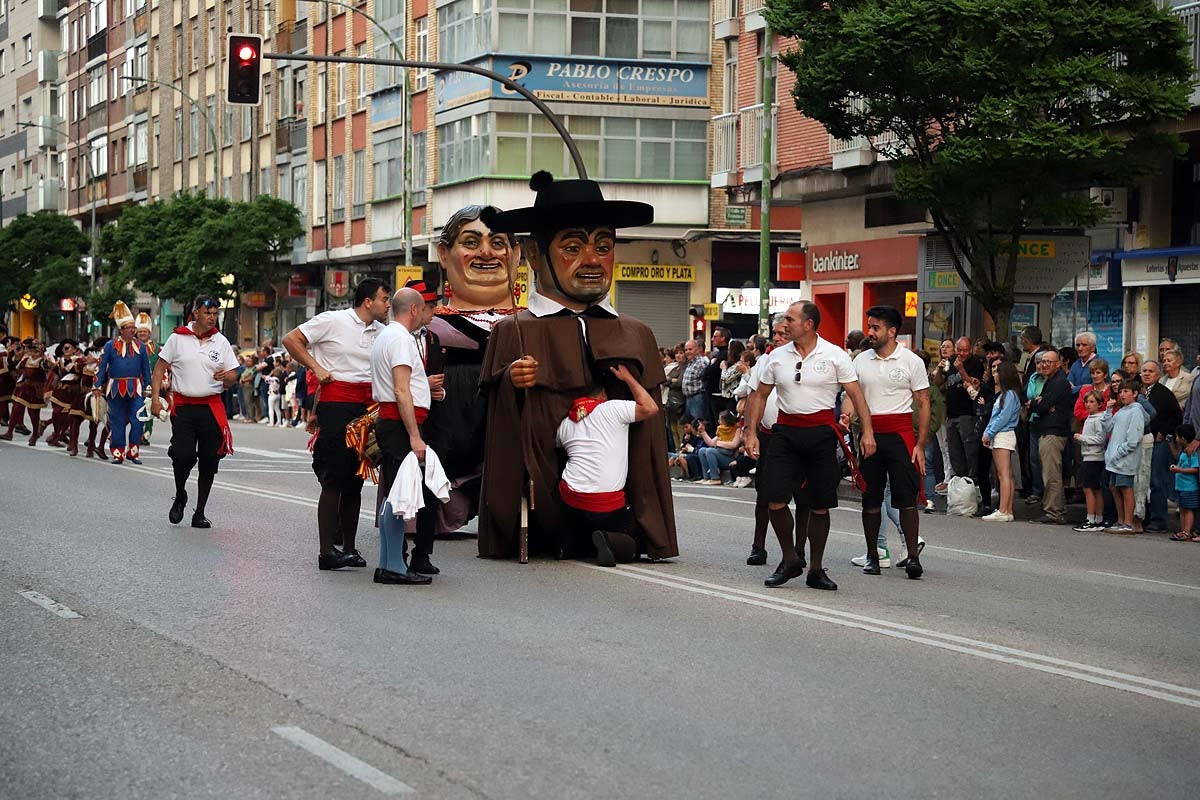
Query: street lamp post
{"points": [[87, 159], [199, 109], [406, 120]]}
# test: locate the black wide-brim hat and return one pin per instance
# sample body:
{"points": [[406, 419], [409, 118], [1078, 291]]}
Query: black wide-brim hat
{"points": [[567, 203]]}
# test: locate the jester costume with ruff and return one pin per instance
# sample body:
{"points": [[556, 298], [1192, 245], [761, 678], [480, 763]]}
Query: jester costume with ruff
{"points": [[124, 372]]}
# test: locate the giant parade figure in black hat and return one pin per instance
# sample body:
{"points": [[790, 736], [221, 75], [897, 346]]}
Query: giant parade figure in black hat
{"points": [[541, 361]]}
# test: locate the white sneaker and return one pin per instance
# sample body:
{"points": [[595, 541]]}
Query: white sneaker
{"points": [[997, 516], [742, 482], [885, 559], [264, 421]]}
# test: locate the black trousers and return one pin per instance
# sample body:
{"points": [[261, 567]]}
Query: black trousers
{"points": [[195, 437], [392, 437], [983, 464]]}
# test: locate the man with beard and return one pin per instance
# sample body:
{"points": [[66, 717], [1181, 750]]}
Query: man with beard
{"points": [[336, 347], [892, 379], [480, 266], [540, 361]]}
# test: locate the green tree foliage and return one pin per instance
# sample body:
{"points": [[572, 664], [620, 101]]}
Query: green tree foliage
{"points": [[187, 245], [1003, 110], [41, 255]]}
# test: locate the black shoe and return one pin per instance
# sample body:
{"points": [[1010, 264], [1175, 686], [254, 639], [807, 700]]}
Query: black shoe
{"points": [[403, 578], [334, 560], [914, 569], [21, 429], [200, 521], [758, 557], [982, 511], [604, 553], [355, 559], [177, 506], [423, 566], [818, 579], [784, 573], [872, 567], [1046, 519], [902, 563], [137, 461], [779, 569]]}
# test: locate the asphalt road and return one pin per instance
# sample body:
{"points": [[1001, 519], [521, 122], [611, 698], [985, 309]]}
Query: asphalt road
{"points": [[1030, 661]]}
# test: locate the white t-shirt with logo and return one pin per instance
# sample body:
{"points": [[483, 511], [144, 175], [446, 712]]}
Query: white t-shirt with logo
{"points": [[824, 371], [194, 362], [396, 346], [341, 343], [770, 413], [888, 383], [598, 447]]}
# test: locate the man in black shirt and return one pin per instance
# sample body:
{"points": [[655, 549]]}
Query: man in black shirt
{"points": [[712, 378], [1055, 407], [1167, 417], [962, 387]]}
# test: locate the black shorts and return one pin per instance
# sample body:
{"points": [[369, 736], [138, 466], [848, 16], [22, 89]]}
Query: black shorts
{"points": [[801, 463], [195, 438], [336, 465], [892, 463], [1092, 476]]}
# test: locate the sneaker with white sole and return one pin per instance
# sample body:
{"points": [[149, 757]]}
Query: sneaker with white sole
{"points": [[743, 482], [1123, 530], [997, 516], [885, 559], [1089, 526]]}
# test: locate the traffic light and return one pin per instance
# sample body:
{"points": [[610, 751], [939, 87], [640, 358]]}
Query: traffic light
{"points": [[699, 324], [244, 54]]}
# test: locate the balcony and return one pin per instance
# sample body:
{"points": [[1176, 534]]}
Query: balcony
{"points": [[862, 151], [1189, 15], [753, 11], [47, 66], [725, 19], [751, 124], [141, 177], [725, 150], [97, 46], [46, 195]]}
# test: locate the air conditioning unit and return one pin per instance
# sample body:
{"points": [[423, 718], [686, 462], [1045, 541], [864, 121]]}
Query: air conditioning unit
{"points": [[1114, 199]]}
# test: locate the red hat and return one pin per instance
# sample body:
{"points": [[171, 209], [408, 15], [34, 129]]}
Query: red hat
{"points": [[427, 294]]}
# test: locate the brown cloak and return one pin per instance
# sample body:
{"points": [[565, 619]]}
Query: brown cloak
{"points": [[522, 427]]}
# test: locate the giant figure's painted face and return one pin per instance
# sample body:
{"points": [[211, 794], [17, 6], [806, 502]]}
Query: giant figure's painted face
{"points": [[582, 259], [477, 267]]}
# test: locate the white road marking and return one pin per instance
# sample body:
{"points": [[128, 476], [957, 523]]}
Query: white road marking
{"points": [[305, 452], [347, 763], [958, 644], [53, 606], [1144, 580], [847, 509], [264, 453], [859, 536]]}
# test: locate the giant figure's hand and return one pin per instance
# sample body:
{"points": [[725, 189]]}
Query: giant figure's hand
{"points": [[523, 372]]}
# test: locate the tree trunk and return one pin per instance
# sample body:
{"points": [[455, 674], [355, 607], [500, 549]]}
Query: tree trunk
{"points": [[232, 318], [1001, 312]]}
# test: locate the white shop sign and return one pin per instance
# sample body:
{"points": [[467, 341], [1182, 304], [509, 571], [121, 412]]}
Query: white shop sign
{"points": [[745, 301], [1154, 271]]}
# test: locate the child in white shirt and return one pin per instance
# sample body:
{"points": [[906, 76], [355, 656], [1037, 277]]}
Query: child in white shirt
{"points": [[596, 437]]}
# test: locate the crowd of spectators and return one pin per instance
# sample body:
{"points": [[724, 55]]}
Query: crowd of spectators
{"points": [[272, 389], [1041, 424]]}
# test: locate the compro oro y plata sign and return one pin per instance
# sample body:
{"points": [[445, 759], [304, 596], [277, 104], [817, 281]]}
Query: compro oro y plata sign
{"points": [[677, 273]]}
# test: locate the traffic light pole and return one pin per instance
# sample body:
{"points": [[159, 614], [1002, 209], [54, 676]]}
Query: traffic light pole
{"points": [[541, 106], [212, 131], [764, 194]]}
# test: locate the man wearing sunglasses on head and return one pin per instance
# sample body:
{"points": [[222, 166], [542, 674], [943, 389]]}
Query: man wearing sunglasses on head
{"points": [[203, 365], [806, 375]]}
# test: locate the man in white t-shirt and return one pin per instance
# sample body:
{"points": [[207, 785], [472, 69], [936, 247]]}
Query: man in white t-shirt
{"points": [[892, 378], [203, 365], [401, 388], [806, 374], [595, 435], [770, 415], [336, 347]]}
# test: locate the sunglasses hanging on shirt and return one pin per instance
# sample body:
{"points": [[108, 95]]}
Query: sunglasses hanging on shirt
{"points": [[799, 366]]}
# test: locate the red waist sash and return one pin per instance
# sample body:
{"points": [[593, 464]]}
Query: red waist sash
{"points": [[895, 423], [346, 392], [391, 411], [818, 419], [597, 502], [217, 407]]}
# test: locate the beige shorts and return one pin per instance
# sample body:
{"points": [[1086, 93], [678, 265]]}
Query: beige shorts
{"points": [[1005, 440]]}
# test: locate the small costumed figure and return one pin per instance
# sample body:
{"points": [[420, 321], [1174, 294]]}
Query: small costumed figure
{"points": [[124, 372], [93, 408], [33, 372], [145, 327]]}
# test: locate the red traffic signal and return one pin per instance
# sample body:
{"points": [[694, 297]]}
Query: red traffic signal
{"points": [[699, 324], [244, 85]]}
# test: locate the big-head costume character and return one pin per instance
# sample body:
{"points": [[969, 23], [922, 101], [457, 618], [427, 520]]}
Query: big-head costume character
{"points": [[539, 361], [480, 266]]}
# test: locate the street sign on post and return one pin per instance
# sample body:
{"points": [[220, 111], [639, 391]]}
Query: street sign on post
{"points": [[244, 56]]}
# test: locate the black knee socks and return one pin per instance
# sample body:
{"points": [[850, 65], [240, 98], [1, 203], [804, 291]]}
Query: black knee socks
{"points": [[781, 521], [910, 525], [204, 486], [348, 518], [329, 519], [762, 515], [871, 521], [818, 534]]}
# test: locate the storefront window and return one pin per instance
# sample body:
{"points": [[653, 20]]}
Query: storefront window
{"points": [[666, 29]]}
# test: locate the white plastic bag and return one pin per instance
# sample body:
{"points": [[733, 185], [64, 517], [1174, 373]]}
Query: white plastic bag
{"points": [[962, 496]]}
